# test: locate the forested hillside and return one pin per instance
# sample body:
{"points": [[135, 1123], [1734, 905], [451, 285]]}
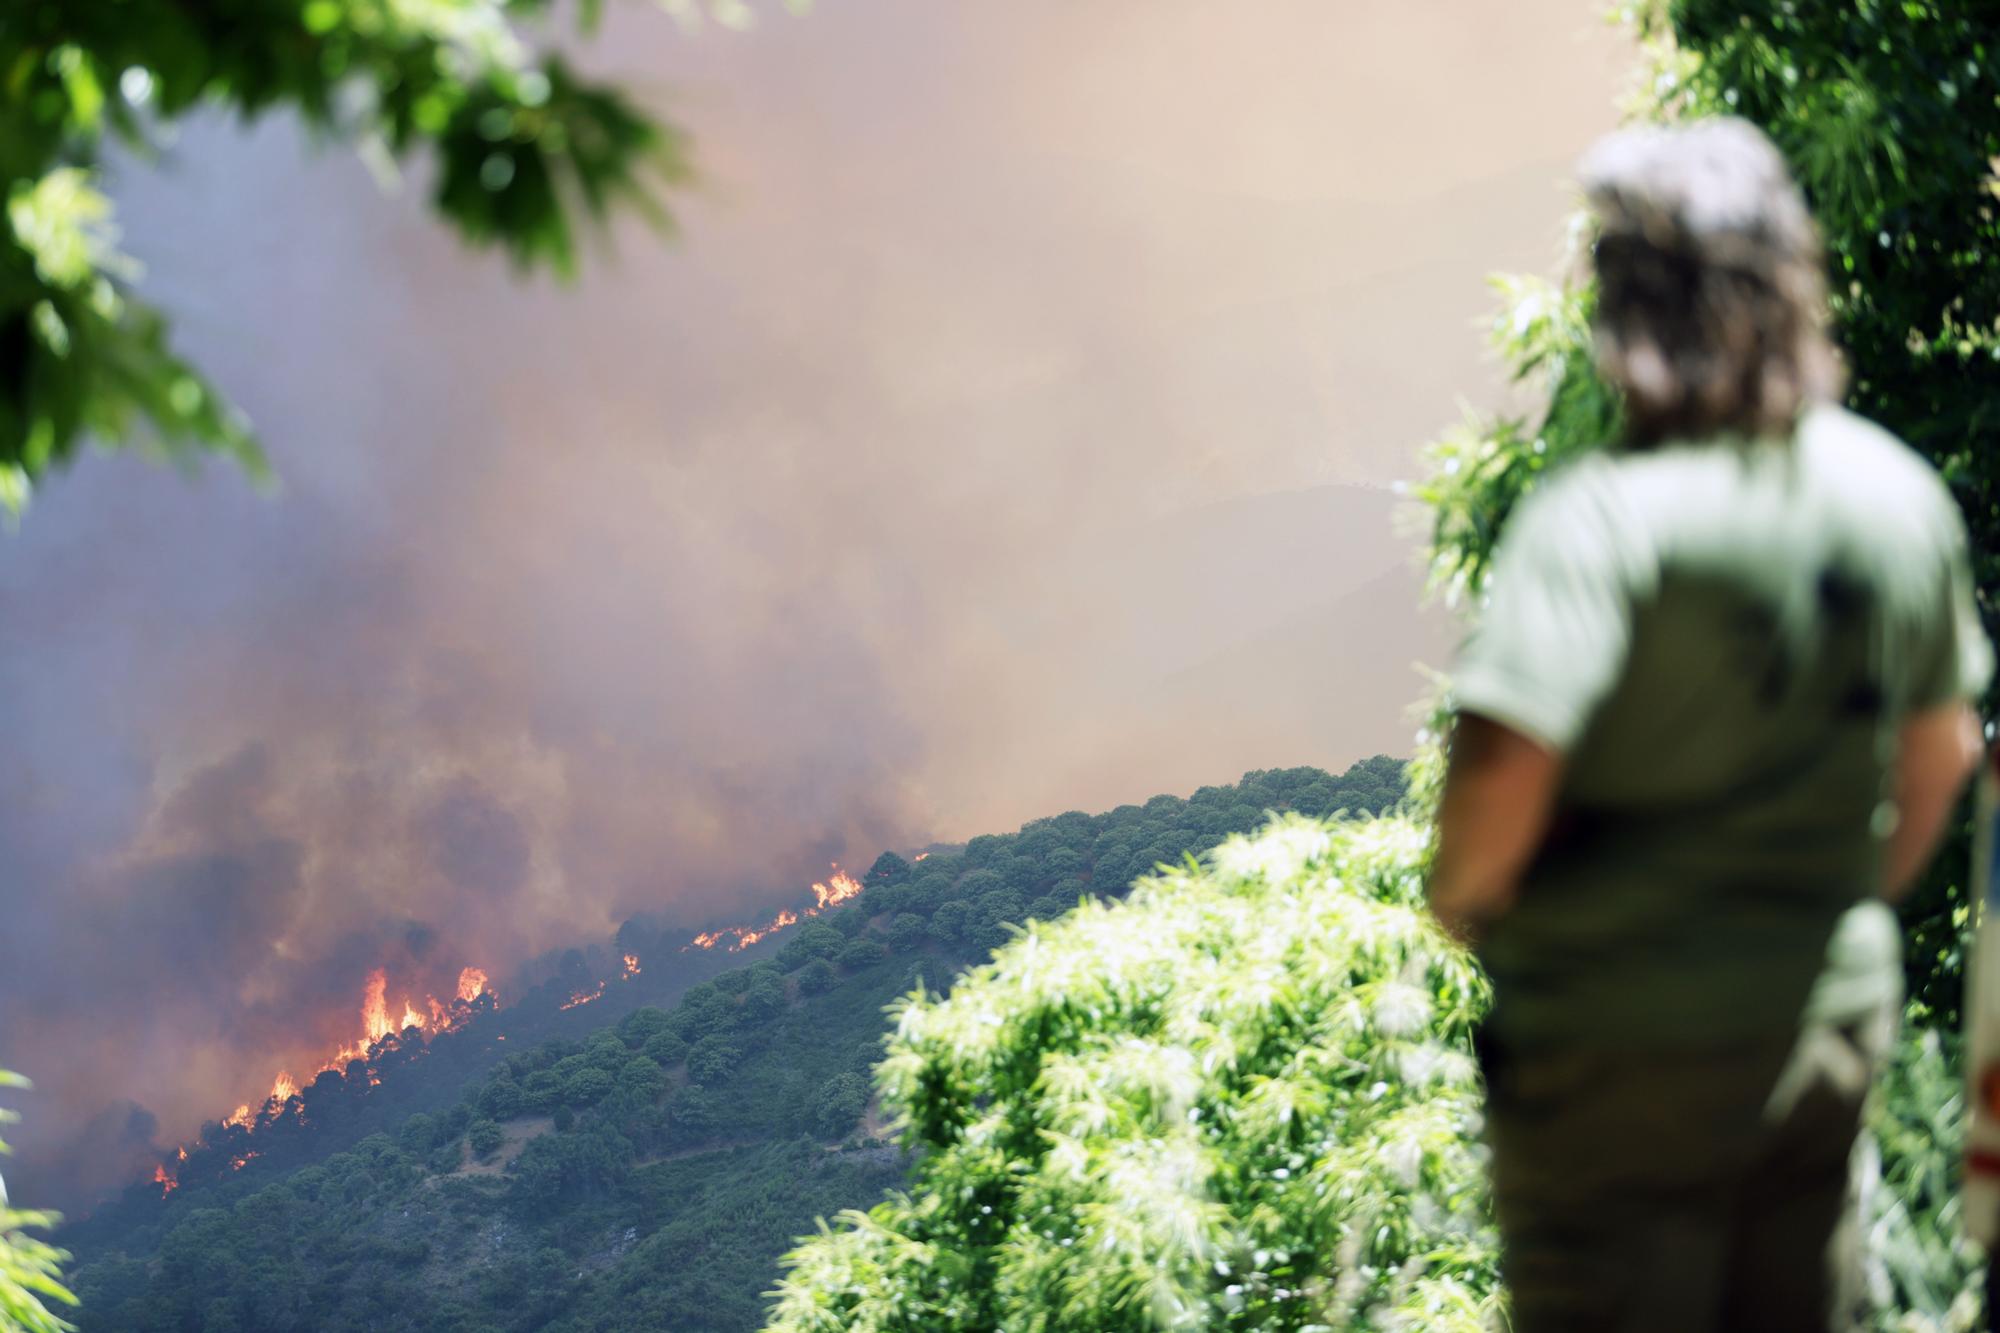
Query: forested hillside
{"points": [[645, 1173]]}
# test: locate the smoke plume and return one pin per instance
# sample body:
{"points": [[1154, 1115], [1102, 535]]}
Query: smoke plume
{"points": [[1009, 430]]}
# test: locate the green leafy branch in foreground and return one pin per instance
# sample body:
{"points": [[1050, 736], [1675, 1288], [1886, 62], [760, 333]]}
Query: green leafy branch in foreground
{"points": [[1240, 1098], [523, 150], [1922, 1269], [30, 1270]]}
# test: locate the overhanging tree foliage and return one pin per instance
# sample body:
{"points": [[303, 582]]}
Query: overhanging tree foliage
{"points": [[522, 151], [1091, 1160]]}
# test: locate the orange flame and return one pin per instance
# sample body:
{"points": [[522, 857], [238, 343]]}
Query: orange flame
{"points": [[471, 984], [918, 857], [841, 888], [165, 1180], [584, 996], [240, 1116], [374, 1007], [631, 964], [844, 887], [283, 1089]]}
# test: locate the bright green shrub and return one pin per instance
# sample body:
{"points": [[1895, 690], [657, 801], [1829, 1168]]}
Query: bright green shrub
{"points": [[30, 1269], [1923, 1271], [1239, 1099]]}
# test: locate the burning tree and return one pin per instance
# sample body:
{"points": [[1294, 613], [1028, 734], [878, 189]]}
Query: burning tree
{"points": [[389, 1036]]}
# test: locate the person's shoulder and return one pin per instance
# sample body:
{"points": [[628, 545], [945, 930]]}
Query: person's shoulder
{"points": [[1589, 480], [1584, 507], [1889, 493], [1862, 460]]}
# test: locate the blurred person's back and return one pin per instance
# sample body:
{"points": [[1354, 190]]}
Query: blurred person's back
{"points": [[1726, 793]]}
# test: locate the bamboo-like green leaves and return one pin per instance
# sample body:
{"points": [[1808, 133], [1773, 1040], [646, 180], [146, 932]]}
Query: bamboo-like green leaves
{"points": [[1240, 1098], [30, 1269]]}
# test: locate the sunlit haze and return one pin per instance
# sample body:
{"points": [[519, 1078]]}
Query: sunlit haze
{"points": [[1010, 427]]}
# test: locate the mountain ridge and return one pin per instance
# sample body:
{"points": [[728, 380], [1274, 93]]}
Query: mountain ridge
{"points": [[648, 1171]]}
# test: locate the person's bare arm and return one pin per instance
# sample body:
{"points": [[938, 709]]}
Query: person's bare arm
{"points": [[1499, 794], [1936, 751]]}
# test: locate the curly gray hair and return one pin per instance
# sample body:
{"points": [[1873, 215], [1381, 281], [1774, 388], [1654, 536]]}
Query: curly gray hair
{"points": [[1711, 308]]}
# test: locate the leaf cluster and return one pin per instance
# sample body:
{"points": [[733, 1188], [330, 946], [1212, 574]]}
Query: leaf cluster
{"points": [[30, 1269], [522, 151]]}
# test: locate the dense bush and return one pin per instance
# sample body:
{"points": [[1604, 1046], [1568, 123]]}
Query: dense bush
{"points": [[839, 1105], [861, 952], [906, 932], [1239, 1099], [485, 1138], [665, 1049], [711, 1060], [813, 939], [642, 1079], [586, 1087]]}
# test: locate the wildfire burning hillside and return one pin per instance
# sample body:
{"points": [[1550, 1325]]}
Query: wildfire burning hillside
{"points": [[409, 1026], [378, 1021], [830, 893]]}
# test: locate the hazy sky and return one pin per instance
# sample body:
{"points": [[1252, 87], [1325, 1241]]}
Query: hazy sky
{"points": [[1008, 430]]}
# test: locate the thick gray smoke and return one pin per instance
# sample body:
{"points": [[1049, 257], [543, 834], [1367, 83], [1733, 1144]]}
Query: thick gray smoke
{"points": [[1009, 431]]}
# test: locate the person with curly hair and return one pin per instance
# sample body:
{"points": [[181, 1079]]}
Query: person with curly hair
{"points": [[1711, 720]]}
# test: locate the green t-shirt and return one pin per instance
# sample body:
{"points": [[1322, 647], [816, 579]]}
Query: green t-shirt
{"points": [[1721, 639]]}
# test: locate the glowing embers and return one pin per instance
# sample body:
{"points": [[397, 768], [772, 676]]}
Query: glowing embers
{"points": [[830, 893], [584, 997]]}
